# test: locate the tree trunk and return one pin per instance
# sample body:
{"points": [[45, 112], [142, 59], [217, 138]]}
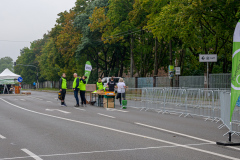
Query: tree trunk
{"points": [[155, 59]]}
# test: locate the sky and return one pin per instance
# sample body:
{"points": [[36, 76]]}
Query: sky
{"points": [[27, 20]]}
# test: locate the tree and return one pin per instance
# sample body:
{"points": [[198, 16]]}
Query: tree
{"points": [[6, 62]]}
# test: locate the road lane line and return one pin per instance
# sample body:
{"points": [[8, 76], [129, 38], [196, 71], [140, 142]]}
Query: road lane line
{"points": [[34, 156], [110, 109], [22, 99], [58, 110], [49, 101], [80, 109], [106, 115], [177, 133], [37, 98], [2, 137], [125, 132], [106, 151]]}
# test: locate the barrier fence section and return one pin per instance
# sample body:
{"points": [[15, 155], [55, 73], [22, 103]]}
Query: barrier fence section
{"points": [[191, 81], [134, 97], [210, 104], [220, 80]]}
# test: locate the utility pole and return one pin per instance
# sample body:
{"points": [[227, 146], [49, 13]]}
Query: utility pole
{"points": [[170, 59], [155, 59], [131, 56]]}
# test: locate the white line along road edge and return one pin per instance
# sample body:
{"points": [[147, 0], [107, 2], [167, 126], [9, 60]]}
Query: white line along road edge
{"points": [[34, 156], [2, 137], [124, 132], [106, 115], [181, 134]]}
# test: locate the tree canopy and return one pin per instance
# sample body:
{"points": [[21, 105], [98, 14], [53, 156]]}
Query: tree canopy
{"points": [[6, 62], [155, 33]]}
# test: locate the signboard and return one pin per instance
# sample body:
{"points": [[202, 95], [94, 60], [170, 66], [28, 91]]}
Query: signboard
{"points": [[88, 69], [20, 79], [207, 58], [177, 70], [171, 71], [235, 80]]}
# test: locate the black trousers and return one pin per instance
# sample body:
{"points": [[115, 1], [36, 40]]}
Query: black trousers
{"points": [[120, 96], [63, 94], [82, 95]]}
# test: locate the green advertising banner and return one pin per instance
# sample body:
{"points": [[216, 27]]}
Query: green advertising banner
{"points": [[235, 80], [88, 69]]}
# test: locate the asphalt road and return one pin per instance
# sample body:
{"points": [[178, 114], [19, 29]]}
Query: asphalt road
{"points": [[37, 127]]}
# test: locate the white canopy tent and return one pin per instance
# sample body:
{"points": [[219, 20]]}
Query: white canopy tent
{"points": [[8, 77]]}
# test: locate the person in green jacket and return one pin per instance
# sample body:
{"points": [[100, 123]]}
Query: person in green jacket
{"points": [[99, 84], [63, 88], [82, 86], [76, 89]]}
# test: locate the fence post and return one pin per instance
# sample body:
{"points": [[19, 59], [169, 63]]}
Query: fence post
{"points": [[136, 82], [154, 81]]}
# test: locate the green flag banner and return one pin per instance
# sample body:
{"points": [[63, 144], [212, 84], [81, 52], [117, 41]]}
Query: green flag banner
{"points": [[235, 80], [88, 69]]}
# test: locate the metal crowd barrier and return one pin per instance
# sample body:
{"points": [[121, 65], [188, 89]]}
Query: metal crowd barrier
{"points": [[210, 104]]}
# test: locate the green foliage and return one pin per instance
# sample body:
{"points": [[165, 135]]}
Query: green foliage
{"points": [[6, 62], [101, 31]]}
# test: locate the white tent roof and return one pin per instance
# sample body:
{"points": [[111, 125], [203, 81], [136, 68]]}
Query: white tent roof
{"points": [[7, 74]]}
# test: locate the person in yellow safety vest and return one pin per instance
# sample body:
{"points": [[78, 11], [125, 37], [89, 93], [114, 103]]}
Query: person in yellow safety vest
{"points": [[76, 89], [63, 88], [82, 87], [99, 84]]}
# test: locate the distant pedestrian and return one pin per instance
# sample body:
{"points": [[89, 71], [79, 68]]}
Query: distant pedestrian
{"points": [[99, 84], [111, 84], [121, 90], [82, 86], [76, 89], [34, 85], [63, 88]]}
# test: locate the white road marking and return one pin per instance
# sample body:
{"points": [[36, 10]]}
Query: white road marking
{"points": [[125, 132], [37, 98], [106, 115], [110, 109], [22, 99], [34, 156], [58, 110], [49, 101], [184, 135], [106, 151], [135, 107], [177, 133], [55, 98], [2, 137], [80, 109]]}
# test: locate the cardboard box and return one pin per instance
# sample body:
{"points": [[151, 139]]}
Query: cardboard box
{"points": [[109, 105], [109, 100]]}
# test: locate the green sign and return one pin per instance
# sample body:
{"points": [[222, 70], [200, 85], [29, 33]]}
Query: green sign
{"points": [[235, 80], [88, 69]]}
